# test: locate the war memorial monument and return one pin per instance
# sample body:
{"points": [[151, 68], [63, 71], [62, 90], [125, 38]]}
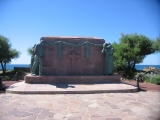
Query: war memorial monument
{"points": [[72, 60], [83, 62]]}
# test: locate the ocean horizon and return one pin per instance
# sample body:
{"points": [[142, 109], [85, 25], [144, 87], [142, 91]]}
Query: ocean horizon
{"points": [[11, 66]]}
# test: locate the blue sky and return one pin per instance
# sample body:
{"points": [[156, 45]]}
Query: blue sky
{"points": [[24, 22]]}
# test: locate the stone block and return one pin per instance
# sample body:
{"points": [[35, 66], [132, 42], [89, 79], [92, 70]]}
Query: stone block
{"points": [[76, 60], [72, 79], [73, 60]]}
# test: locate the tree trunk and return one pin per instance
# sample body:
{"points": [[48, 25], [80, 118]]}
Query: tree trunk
{"points": [[133, 66], [2, 67], [129, 70], [129, 65]]}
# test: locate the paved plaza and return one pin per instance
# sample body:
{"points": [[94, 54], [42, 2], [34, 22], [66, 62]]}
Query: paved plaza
{"points": [[144, 105]]}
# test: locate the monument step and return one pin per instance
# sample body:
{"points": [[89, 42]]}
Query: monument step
{"points": [[25, 88], [72, 79]]}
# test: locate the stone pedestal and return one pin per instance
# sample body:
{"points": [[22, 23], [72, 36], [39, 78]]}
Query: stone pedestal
{"points": [[72, 60], [72, 79]]}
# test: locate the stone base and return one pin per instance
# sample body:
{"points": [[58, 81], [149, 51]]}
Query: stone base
{"points": [[72, 79], [26, 88]]}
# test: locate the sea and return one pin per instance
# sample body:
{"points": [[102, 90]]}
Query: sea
{"points": [[11, 66]]}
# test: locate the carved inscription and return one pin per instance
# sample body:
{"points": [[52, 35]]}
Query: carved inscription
{"points": [[73, 58]]}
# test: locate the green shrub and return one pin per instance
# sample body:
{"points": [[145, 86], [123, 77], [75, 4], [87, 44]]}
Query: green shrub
{"points": [[128, 74], [5, 78], [10, 72], [155, 80], [147, 77], [20, 72], [147, 80]]}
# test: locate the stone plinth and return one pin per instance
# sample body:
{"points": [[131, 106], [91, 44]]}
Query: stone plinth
{"points": [[72, 39], [72, 79], [73, 60]]}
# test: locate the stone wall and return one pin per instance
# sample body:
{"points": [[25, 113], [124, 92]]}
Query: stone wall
{"points": [[73, 60], [22, 68]]}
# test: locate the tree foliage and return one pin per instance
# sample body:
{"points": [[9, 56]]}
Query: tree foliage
{"points": [[131, 50], [30, 51], [6, 52], [156, 45]]}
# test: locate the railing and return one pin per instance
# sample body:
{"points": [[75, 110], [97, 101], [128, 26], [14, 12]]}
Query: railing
{"points": [[16, 76]]}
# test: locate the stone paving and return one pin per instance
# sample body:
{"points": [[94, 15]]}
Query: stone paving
{"points": [[103, 106]]}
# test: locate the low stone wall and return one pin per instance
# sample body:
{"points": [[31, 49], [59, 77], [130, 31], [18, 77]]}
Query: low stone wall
{"points": [[22, 68]]}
